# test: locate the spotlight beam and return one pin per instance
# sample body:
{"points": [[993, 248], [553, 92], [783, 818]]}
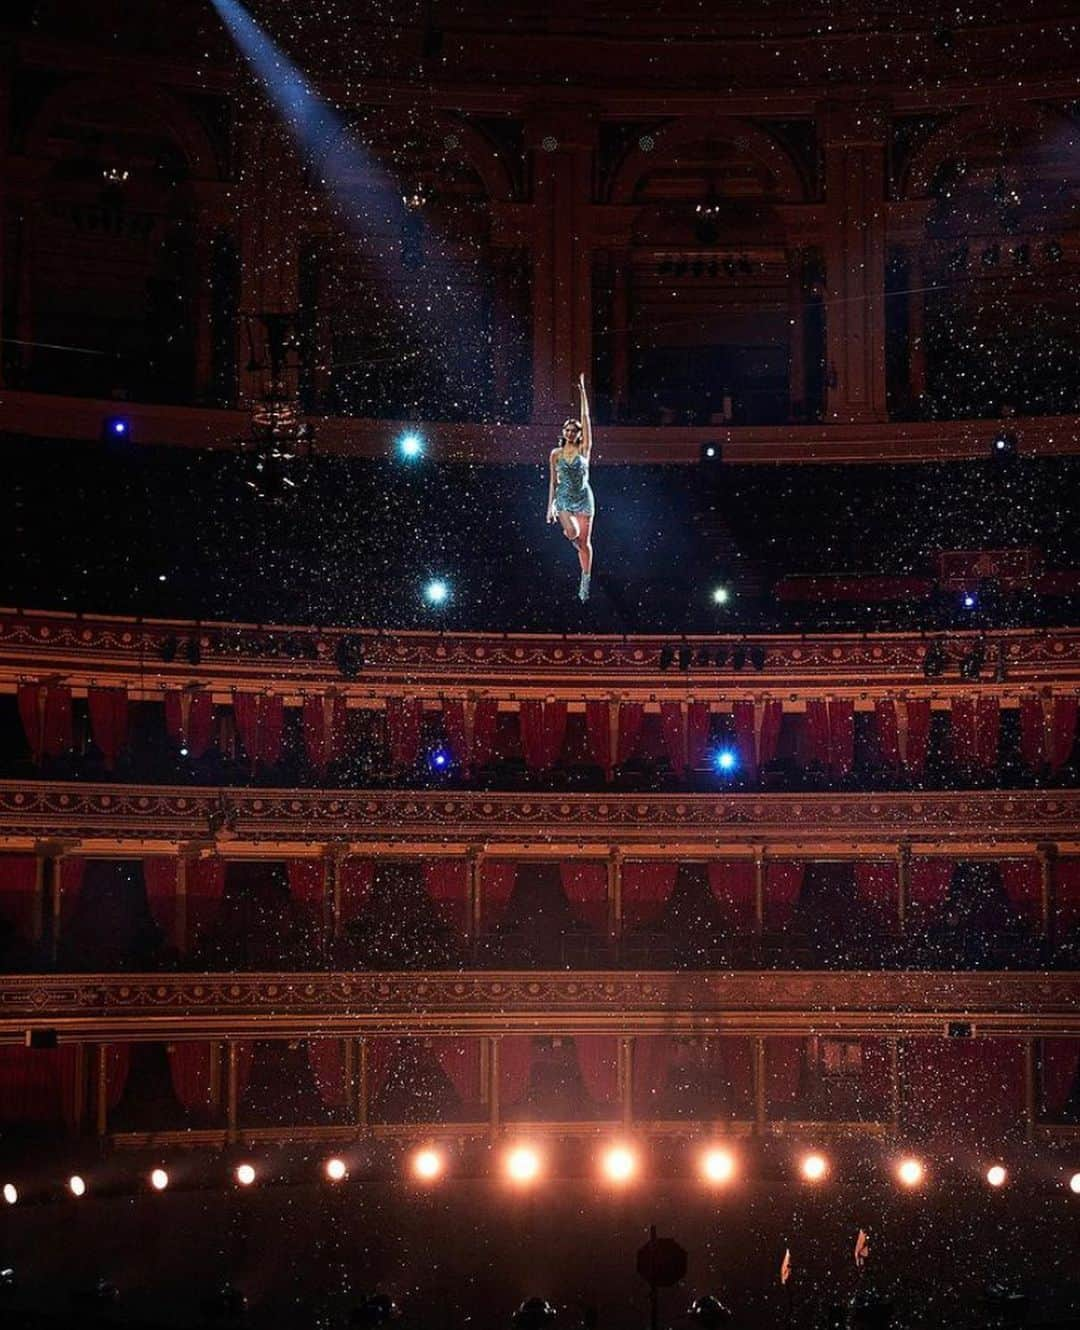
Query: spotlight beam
{"points": [[337, 160]]}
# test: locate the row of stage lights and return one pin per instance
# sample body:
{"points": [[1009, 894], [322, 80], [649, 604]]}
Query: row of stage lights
{"points": [[524, 1165]]}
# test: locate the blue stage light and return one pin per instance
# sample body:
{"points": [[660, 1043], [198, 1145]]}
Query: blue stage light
{"points": [[436, 592], [116, 428], [440, 759], [969, 601], [725, 761], [411, 446]]}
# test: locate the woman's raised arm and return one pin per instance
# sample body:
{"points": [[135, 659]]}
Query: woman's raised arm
{"points": [[586, 419]]}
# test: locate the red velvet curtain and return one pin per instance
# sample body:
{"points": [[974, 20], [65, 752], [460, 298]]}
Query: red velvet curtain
{"points": [[685, 728], [357, 876], [928, 888], [308, 889], [470, 731], [598, 1062], [205, 885], [497, 879], [445, 882], [515, 1067], [829, 734], [38, 1084], [1060, 1063], [189, 719], [260, 718], [647, 885], [160, 876], [1022, 881], [1047, 731], [945, 1078], [887, 732], [585, 884], [757, 733], [631, 721], [404, 717], [877, 895], [18, 892], [45, 712], [976, 726], [326, 1058], [460, 1061], [191, 1068], [109, 721], [731, 882], [783, 887], [324, 722], [543, 729]]}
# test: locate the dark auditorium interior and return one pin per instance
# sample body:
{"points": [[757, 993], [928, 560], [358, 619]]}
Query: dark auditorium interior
{"points": [[399, 932]]}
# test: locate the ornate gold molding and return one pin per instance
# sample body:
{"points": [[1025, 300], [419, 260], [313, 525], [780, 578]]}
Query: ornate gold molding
{"points": [[108, 819], [106, 650], [151, 1006]]}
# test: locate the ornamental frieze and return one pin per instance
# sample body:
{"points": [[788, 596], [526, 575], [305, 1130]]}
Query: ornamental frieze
{"points": [[156, 653], [44, 810], [155, 1006]]}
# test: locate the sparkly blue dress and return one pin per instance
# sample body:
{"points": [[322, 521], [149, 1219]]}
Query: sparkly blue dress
{"points": [[573, 493]]}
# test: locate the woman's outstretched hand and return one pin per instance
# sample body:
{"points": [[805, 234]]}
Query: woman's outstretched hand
{"points": [[551, 514]]}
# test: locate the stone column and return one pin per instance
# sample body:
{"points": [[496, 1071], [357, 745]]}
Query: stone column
{"points": [[854, 136], [561, 143]]}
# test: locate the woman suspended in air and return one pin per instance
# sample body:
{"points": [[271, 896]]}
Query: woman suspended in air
{"points": [[570, 497]]}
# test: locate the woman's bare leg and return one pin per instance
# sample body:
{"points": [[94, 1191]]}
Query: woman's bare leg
{"points": [[584, 543], [569, 524]]}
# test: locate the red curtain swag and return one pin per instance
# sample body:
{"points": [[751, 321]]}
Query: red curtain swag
{"points": [[18, 893], [38, 1084], [647, 885], [1047, 731], [497, 880], [685, 728], [903, 733], [829, 734], [205, 883], [189, 720], [160, 876], [404, 717], [324, 723], [783, 887], [543, 729], [191, 1068], [45, 712], [470, 731], [585, 884], [975, 729], [326, 1057], [928, 889], [460, 1061], [945, 1077], [445, 882], [598, 1062], [109, 721], [757, 733], [260, 718], [731, 882]]}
